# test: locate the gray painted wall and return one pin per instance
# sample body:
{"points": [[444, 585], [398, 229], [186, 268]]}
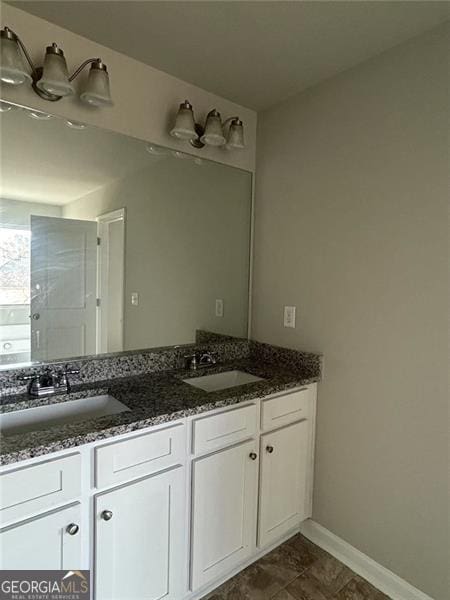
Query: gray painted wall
{"points": [[351, 226], [187, 243]]}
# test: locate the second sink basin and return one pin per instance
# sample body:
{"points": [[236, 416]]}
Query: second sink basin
{"points": [[60, 413], [221, 381]]}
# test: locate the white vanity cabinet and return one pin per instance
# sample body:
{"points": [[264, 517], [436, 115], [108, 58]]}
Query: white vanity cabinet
{"points": [[139, 534], [50, 541], [283, 485], [224, 497], [170, 511], [36, 531]]}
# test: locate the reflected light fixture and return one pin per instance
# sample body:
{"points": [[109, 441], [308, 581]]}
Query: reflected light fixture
{"points": [[76, 125], [156, 150], [38, 115], [6, 106], [52, 81], [229, 133]]}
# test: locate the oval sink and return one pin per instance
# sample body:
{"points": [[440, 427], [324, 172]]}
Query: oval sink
{"points": [[221, 381], [60, 413]]}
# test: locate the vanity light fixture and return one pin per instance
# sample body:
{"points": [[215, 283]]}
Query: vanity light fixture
{"points": [[229, 133], [52, 81]]}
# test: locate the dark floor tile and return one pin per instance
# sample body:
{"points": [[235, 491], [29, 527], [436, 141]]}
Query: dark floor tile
{"points": [[284, 564], [307, 587], [296, 570], [254, 583], [331, 574], [306, 551], [283, 595], [359, 589]]}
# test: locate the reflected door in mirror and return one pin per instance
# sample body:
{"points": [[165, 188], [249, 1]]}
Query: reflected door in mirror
{"points": [[63, 287]]}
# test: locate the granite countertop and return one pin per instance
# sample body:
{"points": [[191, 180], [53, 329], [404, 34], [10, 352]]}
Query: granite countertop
{"points": [[153, 399]]}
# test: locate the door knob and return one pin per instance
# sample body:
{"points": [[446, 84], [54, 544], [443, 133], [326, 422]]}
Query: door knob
{"points": [[269, 449], [253, 455], [36, 316], [106, 515], [72, 529]]}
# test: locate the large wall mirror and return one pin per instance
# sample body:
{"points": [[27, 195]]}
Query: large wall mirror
{"points": [[110, 244]]}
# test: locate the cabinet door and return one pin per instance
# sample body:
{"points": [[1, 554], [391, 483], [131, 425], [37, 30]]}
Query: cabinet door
{"points": [[224, 496], [283, 485], [43, 542], [140, 539]]}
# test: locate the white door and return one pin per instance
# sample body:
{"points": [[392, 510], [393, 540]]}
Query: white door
{"points": [[48, 542], [283, 484], [63, 287], [111, 275], [139, 552], [224, 496]]}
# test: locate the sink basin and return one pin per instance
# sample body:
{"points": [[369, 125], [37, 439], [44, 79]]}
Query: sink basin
{"points": [[221, 381], [61, 413]]}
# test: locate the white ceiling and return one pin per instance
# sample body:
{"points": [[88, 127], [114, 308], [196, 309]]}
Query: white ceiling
{"points": [[255, 53]]}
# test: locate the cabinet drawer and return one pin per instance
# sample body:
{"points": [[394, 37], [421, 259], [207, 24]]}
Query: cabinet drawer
{"points": [[39, 487], [286, 409], [138, 456], [218, 431]]}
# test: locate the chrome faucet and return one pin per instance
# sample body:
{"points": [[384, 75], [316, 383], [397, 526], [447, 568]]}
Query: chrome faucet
{"points": [[48, 381], [208, 359], [200, 359]]}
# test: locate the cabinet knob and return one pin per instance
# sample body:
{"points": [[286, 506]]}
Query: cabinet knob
{"points": [[253, 455], [72, 529], [269, 449], [106, 515]]}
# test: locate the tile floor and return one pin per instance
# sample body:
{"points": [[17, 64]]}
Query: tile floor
{"points": [[297, 570]]}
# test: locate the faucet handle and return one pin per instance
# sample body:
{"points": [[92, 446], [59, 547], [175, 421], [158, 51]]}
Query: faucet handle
{"points": [[192, 360], [63, 377]]}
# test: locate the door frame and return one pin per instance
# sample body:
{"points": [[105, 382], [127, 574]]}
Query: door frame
{"points": [[103, 222]]}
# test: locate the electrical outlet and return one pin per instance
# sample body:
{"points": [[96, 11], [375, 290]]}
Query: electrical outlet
{"points": [[219, 308], [289, 316], [134, 299]]}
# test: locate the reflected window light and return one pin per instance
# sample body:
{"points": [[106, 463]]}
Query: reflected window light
{"points": [[39, 116], [156, 150], [180, 155], [76, 125]]}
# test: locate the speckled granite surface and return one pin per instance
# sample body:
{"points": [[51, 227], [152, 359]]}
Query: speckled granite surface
{"points": [[158, 397], [136, 362]]}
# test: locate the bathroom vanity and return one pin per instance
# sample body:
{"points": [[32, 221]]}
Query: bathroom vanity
{"points": [[165, 499], [162, 480]]}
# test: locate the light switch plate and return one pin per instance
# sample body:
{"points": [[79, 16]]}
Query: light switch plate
{"points": [[289, 316], [219, 307]]}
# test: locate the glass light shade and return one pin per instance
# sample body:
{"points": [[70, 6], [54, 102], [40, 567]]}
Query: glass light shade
{"points": [[97, 92], [213, 135], [55, 77], [235, 137], [184, 128], [12, 66]]}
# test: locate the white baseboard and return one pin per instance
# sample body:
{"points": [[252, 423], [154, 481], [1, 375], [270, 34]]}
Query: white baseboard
{"points": [[386, 581]]}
